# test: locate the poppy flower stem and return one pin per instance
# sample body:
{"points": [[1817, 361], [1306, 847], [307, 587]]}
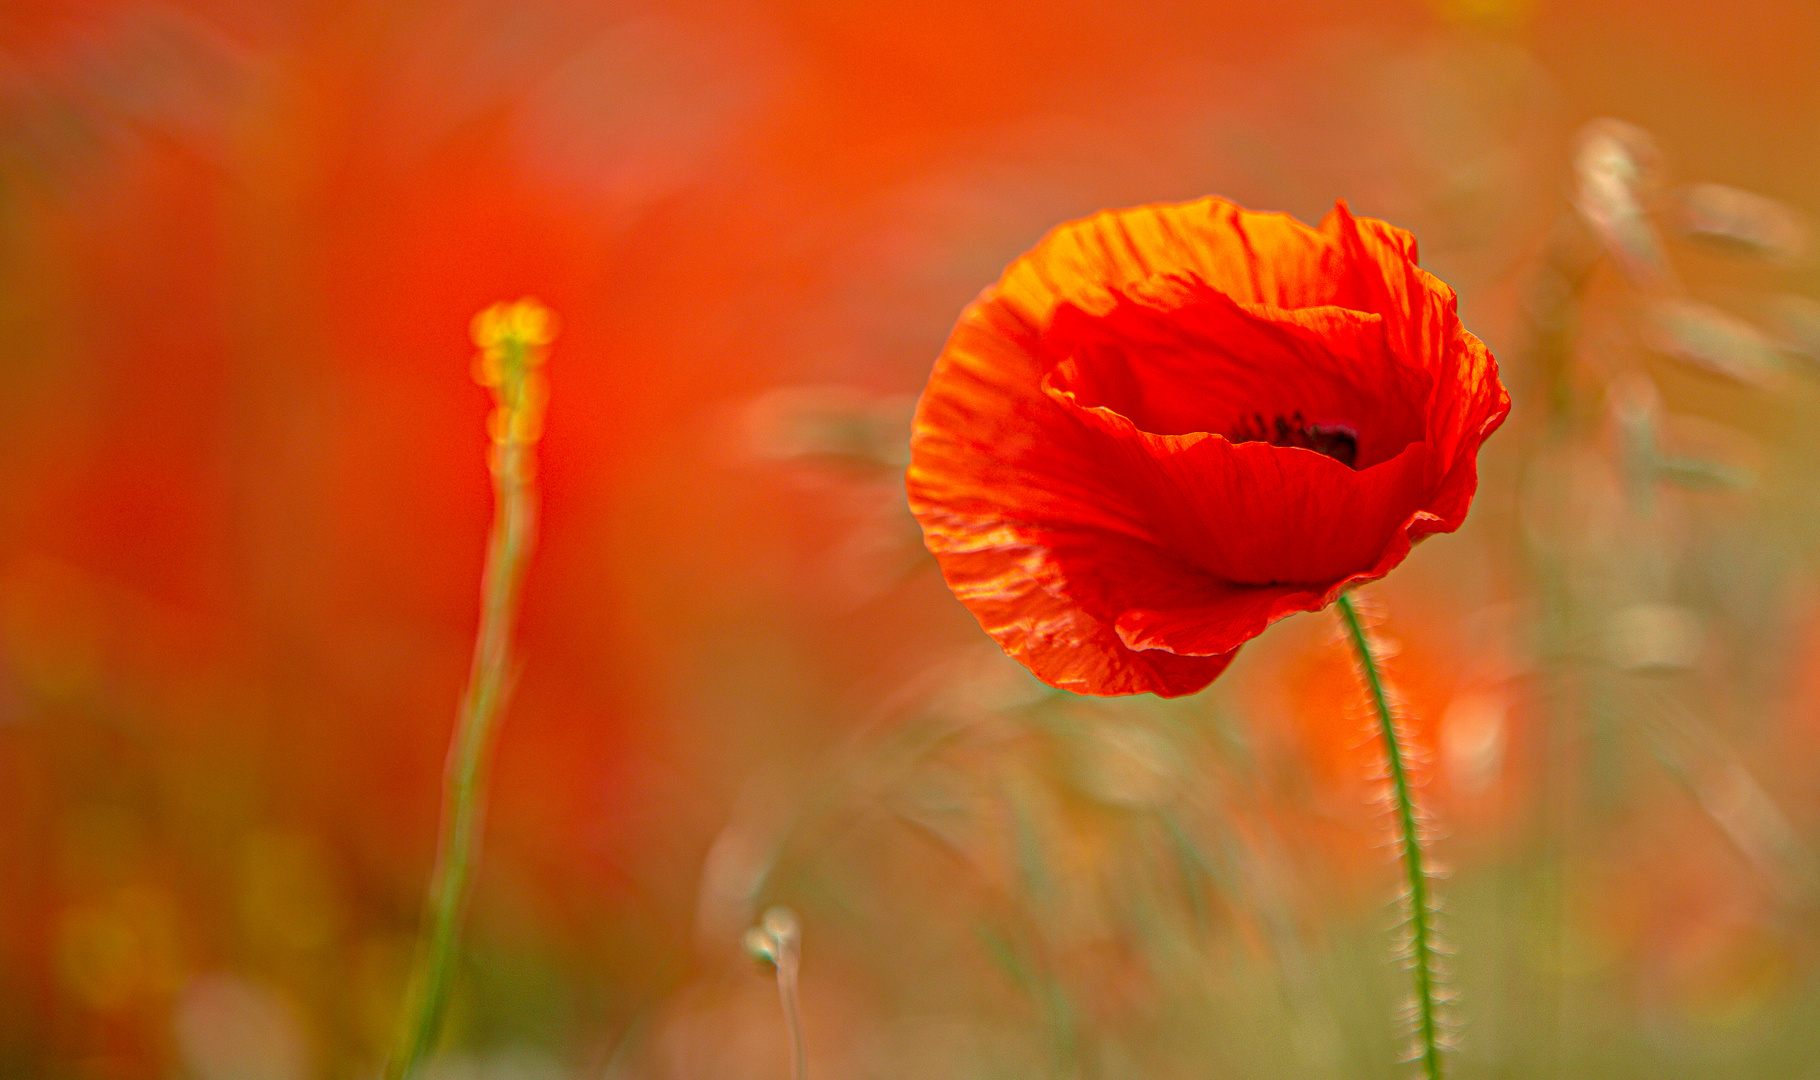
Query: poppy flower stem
{"points": [[1421, 929], [511, 337]]}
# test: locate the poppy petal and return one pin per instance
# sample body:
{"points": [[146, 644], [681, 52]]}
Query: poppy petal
{"points": [[1177, 358], [1167, 427], [1423, 325], [1484, 406], [1002, 480], [1056, 637], [989, 447], [1256, 514], [1251, 256], [1239, 616]]}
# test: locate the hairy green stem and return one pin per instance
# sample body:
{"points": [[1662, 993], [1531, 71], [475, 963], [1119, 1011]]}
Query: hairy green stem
{"points": [[1421, 930], [464, 778]]}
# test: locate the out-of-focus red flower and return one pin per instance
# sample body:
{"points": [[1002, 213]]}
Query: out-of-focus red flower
{"points": [[1167, 427]]}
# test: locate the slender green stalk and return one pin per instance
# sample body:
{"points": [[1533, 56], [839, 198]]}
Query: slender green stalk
{"points": [[1421, 929], [511, 345]]}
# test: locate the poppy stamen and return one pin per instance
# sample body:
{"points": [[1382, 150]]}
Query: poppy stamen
{"points": [[1337, 441]]}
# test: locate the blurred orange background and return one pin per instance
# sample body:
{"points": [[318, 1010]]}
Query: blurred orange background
{"points": [[244, 502]]}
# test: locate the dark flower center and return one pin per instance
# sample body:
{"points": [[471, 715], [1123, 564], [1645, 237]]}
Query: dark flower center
{"points": [[1336, 441]]}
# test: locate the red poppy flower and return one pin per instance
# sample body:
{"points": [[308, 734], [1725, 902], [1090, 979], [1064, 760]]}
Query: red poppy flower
{"points": [[1166, 428]]}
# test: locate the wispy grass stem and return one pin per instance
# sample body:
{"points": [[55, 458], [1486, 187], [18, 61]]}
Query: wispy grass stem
{"points": [[511, 338], [776, 940]]}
